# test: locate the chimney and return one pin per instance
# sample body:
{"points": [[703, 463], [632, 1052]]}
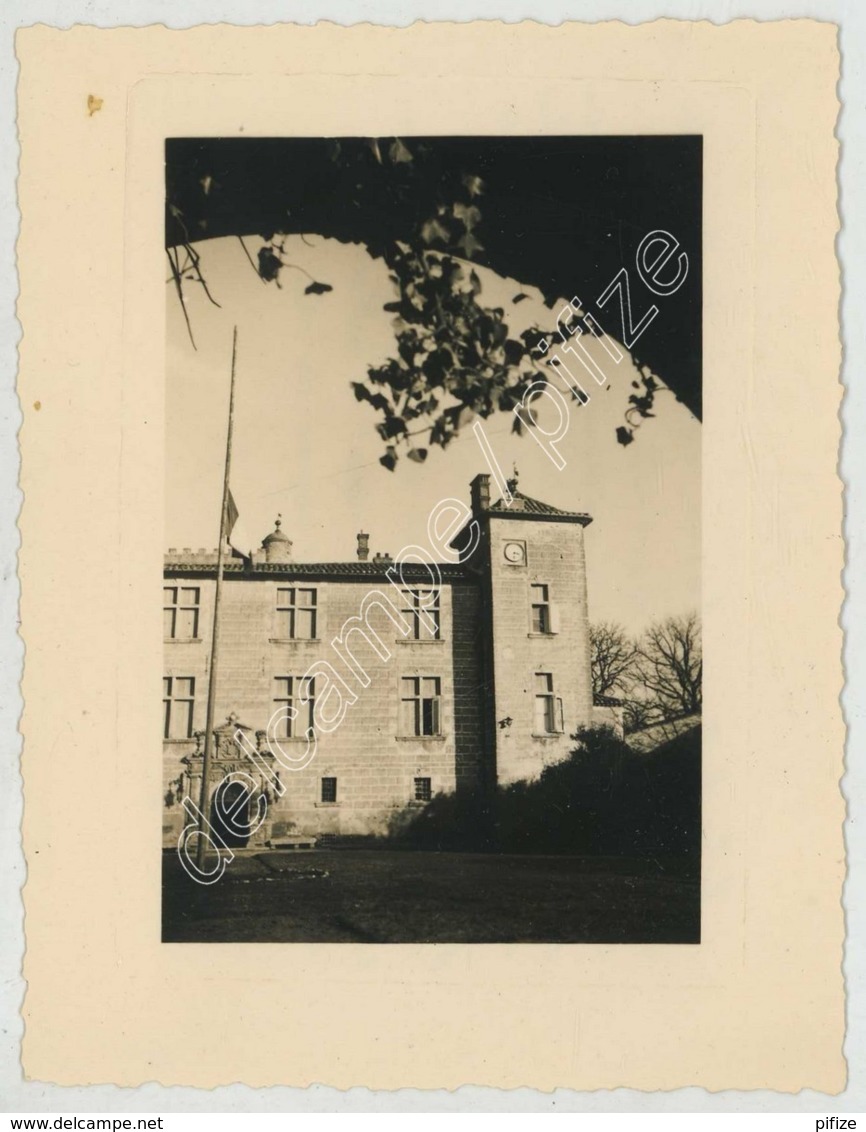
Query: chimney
{"points": [[363, 546], [480, 493]]}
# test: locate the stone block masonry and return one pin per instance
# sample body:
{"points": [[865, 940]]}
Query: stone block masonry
{"points": [[489, 695]]}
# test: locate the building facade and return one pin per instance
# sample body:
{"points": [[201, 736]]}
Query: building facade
{"points": [[363, 689]]}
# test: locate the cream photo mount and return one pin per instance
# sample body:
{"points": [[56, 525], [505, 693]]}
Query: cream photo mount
{"points": [[721, 1014]]}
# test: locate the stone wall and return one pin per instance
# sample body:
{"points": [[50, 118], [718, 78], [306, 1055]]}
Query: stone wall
{"points": [[374, 764], [554, 556], [486, 660]]}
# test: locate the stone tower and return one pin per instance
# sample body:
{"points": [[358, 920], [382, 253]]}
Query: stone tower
{"points": [[531, 558]]}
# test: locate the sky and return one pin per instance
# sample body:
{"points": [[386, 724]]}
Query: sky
{"points": [[305, 449]]}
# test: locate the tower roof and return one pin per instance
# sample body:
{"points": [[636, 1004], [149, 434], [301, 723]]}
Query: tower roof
{"points": [[276, 535], [524, 505]]}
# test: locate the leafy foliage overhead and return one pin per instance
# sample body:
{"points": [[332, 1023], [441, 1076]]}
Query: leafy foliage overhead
{"points": [[559, 214]]}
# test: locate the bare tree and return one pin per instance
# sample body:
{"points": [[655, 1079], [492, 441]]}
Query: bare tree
{"points": [[670, 665], [638, 712], [613, 655]]}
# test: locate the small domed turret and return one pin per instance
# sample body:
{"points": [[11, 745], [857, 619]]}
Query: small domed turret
{"points": [[277, 546]]}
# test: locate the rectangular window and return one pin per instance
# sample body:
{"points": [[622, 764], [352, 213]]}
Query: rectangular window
{"points": [[421, 610], [180, 610], [420, 705], [296, 613], [540, 609], [545, 705], [294, 701], [178, 702], [423, 790], [329, 789]]}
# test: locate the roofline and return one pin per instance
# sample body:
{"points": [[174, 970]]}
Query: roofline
{"points": [[342, 571], [534, 517]]}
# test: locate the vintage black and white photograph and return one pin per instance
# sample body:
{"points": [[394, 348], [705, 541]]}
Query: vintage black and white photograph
{"points": [[432, 576]]}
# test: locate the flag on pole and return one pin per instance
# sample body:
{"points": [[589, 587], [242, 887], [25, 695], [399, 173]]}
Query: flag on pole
{"points": [[235, 532]]}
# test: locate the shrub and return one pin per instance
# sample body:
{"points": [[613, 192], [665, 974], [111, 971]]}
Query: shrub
{"points": [[604, 799]]}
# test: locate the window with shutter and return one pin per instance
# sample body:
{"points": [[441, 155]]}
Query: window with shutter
{"points": [[545, 705], [540, 608]]}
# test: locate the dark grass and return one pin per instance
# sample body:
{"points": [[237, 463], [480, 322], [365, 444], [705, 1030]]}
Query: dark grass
{"points": [[386, 896], [601, 848]]}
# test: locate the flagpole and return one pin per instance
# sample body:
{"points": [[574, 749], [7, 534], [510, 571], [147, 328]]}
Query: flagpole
{"points": [[214, 648]]}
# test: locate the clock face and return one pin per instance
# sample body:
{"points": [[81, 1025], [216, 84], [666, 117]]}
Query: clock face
{"points": [[514, 552]]}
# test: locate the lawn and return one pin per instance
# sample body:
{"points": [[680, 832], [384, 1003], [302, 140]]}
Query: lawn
{"points": [[384, 896]]}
